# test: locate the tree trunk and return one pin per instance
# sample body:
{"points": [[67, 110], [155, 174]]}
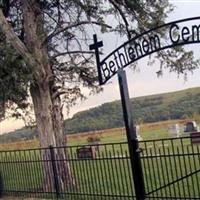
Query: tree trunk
{"points": [[47, 108], [49, 120], [42, 107], [63, 166]]}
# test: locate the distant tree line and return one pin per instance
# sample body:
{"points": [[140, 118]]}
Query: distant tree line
{"points": [[20, 134], [176, 105]]}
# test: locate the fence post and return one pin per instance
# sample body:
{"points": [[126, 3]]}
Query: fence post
{"points": [[54, 169], [136, 166], [1, 185]]}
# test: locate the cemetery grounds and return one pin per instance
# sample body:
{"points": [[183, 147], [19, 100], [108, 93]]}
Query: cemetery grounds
{"points": [[159, 167]]}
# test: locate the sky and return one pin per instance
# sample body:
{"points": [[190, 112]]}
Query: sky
{"points": [[142, 82]]}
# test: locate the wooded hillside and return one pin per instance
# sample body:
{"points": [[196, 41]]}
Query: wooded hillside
{"points": [[174, 105]]}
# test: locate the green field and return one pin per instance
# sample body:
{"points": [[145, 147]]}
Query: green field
{"points": [[147, 109], [109, 173]]}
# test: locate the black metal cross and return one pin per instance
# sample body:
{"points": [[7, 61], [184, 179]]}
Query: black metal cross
{"points": [[96, 47], [96, 44]]}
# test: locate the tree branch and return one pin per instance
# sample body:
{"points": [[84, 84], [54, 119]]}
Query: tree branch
{"points": [[60, 30], [16, 42], [58, 93], [72, 52], [122, 15]]}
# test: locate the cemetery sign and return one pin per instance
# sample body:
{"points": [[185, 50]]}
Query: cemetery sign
{"points": [[185, 31], [171, 34]]}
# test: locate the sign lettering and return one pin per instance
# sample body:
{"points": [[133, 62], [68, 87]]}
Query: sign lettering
{"points": [[166, 36]]}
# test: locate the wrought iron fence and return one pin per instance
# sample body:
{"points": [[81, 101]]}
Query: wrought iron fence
{"points": [[99, 171], [171, 169]]}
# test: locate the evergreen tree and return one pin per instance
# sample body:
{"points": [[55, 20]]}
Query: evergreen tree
{"points": [[14, 80]]}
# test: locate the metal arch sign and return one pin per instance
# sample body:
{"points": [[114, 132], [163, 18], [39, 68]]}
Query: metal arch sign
{"points": [[176, 33]]}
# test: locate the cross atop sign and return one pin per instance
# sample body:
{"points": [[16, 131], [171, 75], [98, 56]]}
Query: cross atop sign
{"points": [[96, 47], [131, 134], [96, 44], [177, 33]]}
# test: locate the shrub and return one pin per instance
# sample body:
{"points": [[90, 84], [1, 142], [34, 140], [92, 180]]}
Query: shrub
{"points": [[92, 139]]}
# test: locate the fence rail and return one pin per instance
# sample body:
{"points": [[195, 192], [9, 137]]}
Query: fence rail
{"points": [[171, 169]]}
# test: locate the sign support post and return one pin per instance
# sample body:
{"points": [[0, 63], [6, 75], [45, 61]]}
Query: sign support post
{"points": [[131, 137], [132, 50], [133, 145]]}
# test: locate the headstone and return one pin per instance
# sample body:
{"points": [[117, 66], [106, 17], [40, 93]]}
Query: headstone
{"points": [[174, 130], [86, 152], [191, 127], [137, 129], [195, 138]]}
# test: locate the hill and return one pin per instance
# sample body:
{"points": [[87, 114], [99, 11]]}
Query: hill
{"points": [[174, 105], [20, 134]]}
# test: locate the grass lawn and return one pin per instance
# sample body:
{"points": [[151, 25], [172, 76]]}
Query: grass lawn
{"points": [[147, 131], [163, 162]]}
